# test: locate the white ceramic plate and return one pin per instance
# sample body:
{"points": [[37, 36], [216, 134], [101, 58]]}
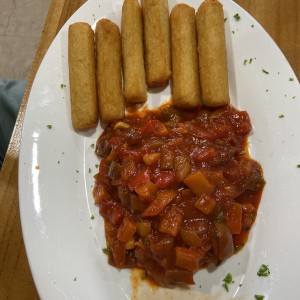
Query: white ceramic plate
{"points": [[57, 165]]}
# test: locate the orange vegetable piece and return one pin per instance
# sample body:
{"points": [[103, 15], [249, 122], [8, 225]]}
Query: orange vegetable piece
{"points": [[198, 183], [234, 218], [171, 221], [162, 199], [126, 230], [205, 204], [147, 190], [188, 258], [151, 158]]}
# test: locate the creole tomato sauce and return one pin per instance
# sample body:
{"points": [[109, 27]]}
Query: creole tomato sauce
{"points": [[177, 190]]}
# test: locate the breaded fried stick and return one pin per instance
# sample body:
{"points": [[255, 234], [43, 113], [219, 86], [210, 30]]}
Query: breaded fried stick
{"points": [[157, 42], [185, 73], [212, 53], [83, 91], [135, 88], [109, 71]]}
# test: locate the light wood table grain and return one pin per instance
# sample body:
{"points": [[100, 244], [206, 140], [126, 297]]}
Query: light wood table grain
{"points": [[281, 19]]}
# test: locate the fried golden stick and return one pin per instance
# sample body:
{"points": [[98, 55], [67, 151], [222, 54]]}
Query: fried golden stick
{"points": [[109, 71], [84, 103], [185, 73], [157, 42], [135, 88], [212, 53]]}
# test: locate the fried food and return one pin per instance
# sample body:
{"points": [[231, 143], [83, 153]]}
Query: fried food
{"points": [[157, 42], [135, 88], [109, 71], [212, 53], [185, 73], [84, 103]]}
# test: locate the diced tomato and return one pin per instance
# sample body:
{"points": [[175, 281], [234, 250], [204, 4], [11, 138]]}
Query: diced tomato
{"points": [[154, 127], [171, 221], [241, 122], [164, 179], [204, 154], [139, 179]]}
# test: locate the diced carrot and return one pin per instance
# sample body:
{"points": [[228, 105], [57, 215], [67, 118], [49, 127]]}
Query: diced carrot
{"points": [[147, 190], [205, 204], [171, 221], [234, 218], [126, 230], [188, 258], [198, 183], [162, 199], [151, 158]]}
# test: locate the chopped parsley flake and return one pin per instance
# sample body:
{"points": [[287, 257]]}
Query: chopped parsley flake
{"points": [[62, 86], [225, 20], [96, 166], [92, 145], [105, 251], [58, 162], [75, 278], [237, 17], [294, 97], [143, 276], [267, 90], [232, 31], [298, 166], [250, 60], [227, 280], [90, 170], [245, 61], [77, 171], [259, 297], [49, 126], [264, 71], [92, 217], [252, 25], [281, 116], [291, 79], [263, 271]]}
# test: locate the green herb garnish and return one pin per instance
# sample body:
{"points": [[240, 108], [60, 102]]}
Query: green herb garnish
{"points": [[263, 271], [49, 126], [227, 280], [225, 20], [298, 166], [264, 71], [92, 217], [62, 86], [90, 170], [245, 61], [291, 79], [259, 297], [281, 116], [105, 251], [237, 17]]}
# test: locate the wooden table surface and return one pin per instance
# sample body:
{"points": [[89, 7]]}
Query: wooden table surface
{"points": [[281, 19]]}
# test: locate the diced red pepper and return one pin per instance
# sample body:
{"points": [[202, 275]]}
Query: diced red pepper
{"points": [[204, 154], [234, 218], [154, 127], [164, 179], [139, 179]]}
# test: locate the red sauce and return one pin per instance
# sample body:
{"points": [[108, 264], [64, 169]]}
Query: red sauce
{"points": [[177, 190]]}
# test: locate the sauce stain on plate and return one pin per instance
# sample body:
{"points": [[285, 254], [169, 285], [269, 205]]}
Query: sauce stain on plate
{"points": [[144, 289]]}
